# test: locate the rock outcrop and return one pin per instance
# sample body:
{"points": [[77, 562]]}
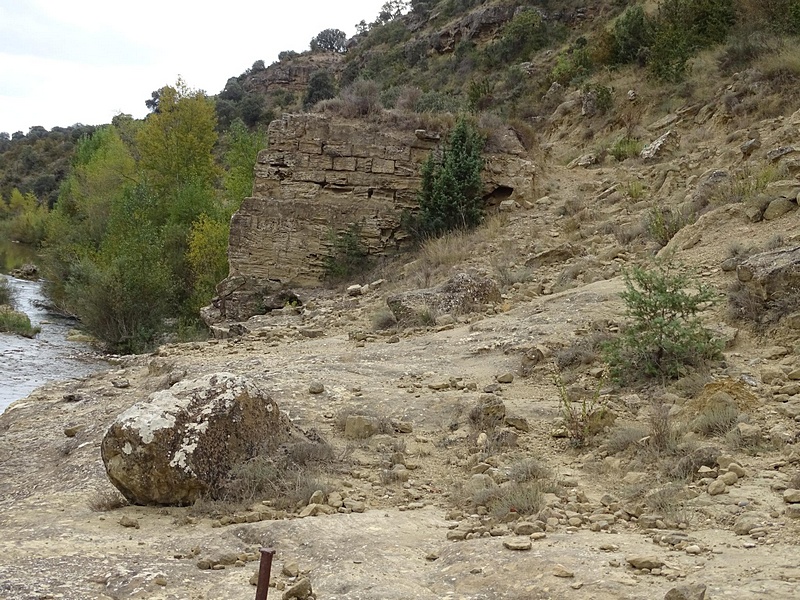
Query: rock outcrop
{"points": [[772, 276], [462, 293], [181, 443], [322, 175]]}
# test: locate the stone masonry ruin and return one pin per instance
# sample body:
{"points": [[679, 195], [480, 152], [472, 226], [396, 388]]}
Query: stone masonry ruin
{"points": [[321, 175]]}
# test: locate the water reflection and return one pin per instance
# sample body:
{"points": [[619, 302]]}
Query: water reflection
{"points": [[13, 255]]}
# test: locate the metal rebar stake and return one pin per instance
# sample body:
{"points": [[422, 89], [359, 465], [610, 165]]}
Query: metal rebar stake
{"points": [[264, 570]]}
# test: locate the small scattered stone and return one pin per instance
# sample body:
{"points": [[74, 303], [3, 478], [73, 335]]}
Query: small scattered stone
{"points": [[791, 496], [300, 590], [160, 580], [736, 468], [517, 544], [693, 549], [505, 378], [526, 528], [72, 430], [644, 561], [290, 569], [716, 488], [432, 556], [696, 591], [562, 571], [128, 522], [519, 423], [316, 387], [120, 383], [729, 478], [745, 523]]}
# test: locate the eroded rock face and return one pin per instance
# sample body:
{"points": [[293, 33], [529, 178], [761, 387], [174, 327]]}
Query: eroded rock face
{"points": [[772, 275], [322, 175], [182, 442]]}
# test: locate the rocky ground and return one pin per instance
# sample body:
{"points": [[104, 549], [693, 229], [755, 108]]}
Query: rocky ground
{"points": [[401, 517]]}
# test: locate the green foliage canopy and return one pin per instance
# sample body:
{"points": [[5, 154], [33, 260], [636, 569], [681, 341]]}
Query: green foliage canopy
{"points": [[450, 197]]}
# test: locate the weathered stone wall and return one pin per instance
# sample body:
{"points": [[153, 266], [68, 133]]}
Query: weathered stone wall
{"points": [[321, 174]]}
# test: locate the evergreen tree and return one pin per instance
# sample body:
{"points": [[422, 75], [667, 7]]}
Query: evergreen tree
{"points": [[450, 197]]}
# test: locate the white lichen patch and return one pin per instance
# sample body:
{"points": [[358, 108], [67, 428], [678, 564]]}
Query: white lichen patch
{"points": [[179, 460], [127, 448]]}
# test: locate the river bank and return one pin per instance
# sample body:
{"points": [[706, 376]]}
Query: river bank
{"points": [[26, 364]]}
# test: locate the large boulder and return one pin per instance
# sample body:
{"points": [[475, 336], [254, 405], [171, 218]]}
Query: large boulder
{"points": [[772, 275], [182, 443], [461, 294]]}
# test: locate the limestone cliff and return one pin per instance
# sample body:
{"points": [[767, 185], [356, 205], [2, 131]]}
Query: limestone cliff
{"points": [[321, 174]]}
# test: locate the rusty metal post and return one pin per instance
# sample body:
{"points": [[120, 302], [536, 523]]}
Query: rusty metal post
{"points": [[264, 570]]}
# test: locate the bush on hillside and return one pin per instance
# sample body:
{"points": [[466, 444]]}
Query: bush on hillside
{"points": [[450, 198], [320, 87], [329, 40], [663, 335]]}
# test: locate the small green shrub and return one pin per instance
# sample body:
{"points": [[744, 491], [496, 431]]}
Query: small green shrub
{"points": [[17, 322], [106, 501], [572, 66], [585, 418], [528, 469], [626, 148], [663, 224], [526, 33], [663, 334], [622, 437], [383, 319], [635, 190], [348, 255], [286, 480], [632, 36], [522, 498], [7, 295], [320, 87]]}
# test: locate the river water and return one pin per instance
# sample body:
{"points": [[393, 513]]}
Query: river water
{"points": [[26, 364]]}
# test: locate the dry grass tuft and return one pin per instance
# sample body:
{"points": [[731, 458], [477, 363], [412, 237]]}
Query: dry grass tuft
{"points": [[106, 501], [623, 437]]}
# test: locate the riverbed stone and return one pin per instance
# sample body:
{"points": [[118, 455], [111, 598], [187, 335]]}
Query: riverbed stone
{"points": [[181, 443], [645, 561]]}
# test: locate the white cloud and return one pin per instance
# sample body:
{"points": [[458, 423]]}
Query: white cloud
{"points": [[86, 60]]}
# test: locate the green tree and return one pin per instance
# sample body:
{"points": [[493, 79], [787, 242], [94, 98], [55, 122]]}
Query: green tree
{"points": [[663, 334], [450, 197], [123, 292], [176, 142], [329, 40], [320, 87], [207, 258], [633, 35], [240, 157]]}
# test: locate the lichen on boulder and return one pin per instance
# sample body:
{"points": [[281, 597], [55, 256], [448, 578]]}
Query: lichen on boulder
{"points": [[181, 443]]}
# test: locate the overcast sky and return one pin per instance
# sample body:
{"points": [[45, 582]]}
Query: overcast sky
{"points": [[83, 61]]}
